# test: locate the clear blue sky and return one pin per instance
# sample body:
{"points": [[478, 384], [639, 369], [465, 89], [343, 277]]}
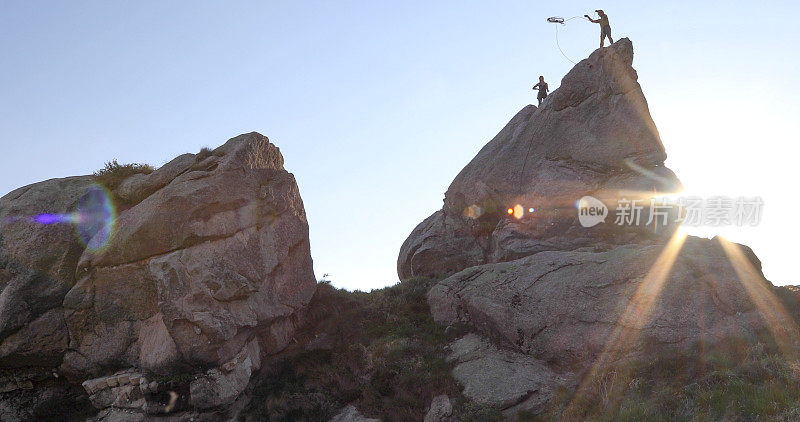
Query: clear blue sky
{"points": [[376, 106]]}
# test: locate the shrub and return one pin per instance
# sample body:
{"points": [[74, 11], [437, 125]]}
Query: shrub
{"points": [[204, 153], [114, 173]]}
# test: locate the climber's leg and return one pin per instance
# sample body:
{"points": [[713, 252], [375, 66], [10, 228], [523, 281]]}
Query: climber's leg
{"points": [[606, 32]]}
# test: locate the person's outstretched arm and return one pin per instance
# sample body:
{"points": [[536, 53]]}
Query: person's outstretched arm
{"points": [[591, 20]]}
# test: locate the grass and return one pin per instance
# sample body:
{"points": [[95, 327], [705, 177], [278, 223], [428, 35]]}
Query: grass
{"points": [[737, 380], [114, 173]]}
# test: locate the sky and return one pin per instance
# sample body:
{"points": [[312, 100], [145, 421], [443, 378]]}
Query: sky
{"points": [[376, 106]]}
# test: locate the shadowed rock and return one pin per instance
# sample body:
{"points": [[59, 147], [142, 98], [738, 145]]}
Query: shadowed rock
{"points": [[37, 268]]}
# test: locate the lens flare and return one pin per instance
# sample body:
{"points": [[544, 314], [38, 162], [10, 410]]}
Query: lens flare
{"points": [[519, 212], [53, 218], [473, 211], [94, 218]]}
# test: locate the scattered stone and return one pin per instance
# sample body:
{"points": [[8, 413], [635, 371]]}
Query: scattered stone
{"points": [[499, 377], [440, 410], [218, 387], [350, 414]]}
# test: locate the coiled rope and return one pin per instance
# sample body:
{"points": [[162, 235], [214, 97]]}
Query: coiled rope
{"points": [[562, 21]]}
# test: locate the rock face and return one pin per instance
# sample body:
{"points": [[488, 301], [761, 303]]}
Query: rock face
{"points": [[563, 307], [592, 136], [204, 273], [37, 268]]}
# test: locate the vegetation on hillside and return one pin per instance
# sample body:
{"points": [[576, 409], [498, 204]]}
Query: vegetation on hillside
{"points": [[380, 351], [736, 380]]}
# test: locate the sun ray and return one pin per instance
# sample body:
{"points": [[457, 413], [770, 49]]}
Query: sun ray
{"points": [[780, 324], [636, 316]]}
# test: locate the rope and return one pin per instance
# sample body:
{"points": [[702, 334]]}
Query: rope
{"points": [[562, 51], [562, 21]]}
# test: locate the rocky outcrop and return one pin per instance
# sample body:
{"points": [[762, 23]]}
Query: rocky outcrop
{"points": [[592, 136], [204, 272], [550, 300]]}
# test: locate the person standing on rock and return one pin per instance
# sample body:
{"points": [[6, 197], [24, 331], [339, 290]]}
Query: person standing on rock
{"points": [[605, 27], [542, 85]]}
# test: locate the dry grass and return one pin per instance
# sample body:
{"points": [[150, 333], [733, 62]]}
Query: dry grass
{"points": [[114, 173], [737, 380]]}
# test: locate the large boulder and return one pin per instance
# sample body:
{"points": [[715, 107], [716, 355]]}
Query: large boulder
{"points": [[556, 317], [592, 136], [208, 272], [204, 272], [569, 308]]}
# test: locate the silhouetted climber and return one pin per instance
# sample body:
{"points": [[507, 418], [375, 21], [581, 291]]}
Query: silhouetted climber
{"points": [[605, 27], [542, 85]]}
